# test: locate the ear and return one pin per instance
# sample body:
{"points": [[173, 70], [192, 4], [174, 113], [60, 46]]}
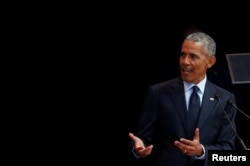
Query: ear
{"points": [[211, 61]]}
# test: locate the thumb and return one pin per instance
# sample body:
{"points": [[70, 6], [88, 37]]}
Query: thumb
{"points": [[137, 141], [132, 136], [197, 135]]}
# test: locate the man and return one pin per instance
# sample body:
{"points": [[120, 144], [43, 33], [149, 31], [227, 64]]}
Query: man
{"points": [[165, 128]]}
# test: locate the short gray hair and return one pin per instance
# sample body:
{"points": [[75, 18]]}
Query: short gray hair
{"points": [[207, 41]]}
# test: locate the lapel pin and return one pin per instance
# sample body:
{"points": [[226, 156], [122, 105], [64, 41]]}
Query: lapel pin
{"points": [[211, 98]]}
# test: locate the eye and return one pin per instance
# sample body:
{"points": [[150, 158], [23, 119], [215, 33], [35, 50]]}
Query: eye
{"points": [[182, 54], [194, 56]]}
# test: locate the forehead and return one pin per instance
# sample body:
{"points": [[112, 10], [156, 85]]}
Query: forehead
{"points": [[190, 46]]}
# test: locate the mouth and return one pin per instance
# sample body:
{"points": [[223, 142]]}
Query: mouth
{"points": [[186, 71]]}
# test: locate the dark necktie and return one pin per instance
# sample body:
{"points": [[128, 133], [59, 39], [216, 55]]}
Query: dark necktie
{"points": [[193, 110]]}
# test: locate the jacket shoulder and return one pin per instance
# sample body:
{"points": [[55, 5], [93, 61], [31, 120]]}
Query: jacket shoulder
{"points": [[167, 85]]}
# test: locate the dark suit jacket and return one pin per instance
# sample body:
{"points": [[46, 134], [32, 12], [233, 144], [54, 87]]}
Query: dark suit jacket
{"points": [[164, 121]]}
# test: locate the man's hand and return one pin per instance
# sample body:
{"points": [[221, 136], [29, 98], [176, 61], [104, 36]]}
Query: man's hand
{"points": [[190, 147], [139, 146]]}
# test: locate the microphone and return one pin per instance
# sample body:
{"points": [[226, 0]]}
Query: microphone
{"points": [[232, 104], [228, 119]]}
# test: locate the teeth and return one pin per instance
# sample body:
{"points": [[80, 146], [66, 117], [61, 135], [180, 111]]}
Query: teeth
{"points": [[186, 69]]}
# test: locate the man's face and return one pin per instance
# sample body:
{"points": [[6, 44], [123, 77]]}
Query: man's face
{"points": [[194, 62]]}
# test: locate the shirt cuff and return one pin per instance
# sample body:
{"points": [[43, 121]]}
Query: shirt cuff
{"points": [[202, 156], [135, 155]]}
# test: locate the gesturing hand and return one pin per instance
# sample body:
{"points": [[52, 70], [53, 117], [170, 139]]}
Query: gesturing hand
{"points": [[139, 146], [190, 147]]}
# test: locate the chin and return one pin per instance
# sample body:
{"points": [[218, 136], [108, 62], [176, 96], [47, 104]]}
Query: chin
{"points": [[187, 79]]}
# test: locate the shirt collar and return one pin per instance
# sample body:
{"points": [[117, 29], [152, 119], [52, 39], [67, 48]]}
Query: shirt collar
{"points": [[201, 85]]}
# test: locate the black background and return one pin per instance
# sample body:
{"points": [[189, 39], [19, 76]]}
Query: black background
{"points": [[94, 64]]}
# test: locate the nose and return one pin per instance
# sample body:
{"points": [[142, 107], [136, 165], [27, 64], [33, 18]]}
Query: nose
{"points": [[184, 60]]}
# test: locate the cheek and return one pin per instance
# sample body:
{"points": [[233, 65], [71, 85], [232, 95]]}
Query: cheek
{"points": [[180, 60], [203, 65], [201, 68]]}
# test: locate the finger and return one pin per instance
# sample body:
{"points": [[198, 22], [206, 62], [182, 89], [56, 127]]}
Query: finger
{"points": [[182, 147], [139, 148], [146, 151], [179, 144], [185, 141]]}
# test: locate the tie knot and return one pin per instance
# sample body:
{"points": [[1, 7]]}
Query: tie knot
{"points": [[195, 89]]}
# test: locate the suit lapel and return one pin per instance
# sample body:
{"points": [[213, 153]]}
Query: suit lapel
{"points": [[178, 99], [208, 102]]}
